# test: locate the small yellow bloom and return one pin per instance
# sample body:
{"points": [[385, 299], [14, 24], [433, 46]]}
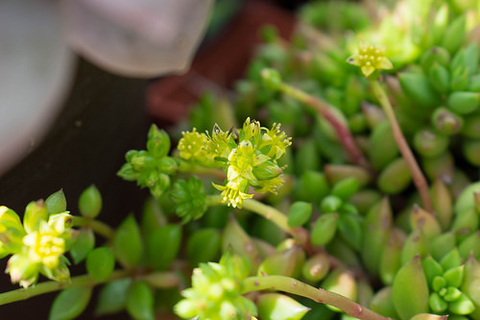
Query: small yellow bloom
{"points": [[369, 59], [234, 193], [45, 246]]}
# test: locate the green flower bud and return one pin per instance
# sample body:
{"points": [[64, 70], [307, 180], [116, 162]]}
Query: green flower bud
{"points": [[451, 260], [22, 270], [438, 55], [471, 151], [341, 282], [100, 263], [455, 34], [420, 218], [324, 229], [446, 121], [56, 202], [299, 213], [410, 290], [90, 202], [442, 203], [418, 88], [316, 267], [382, 303], [267, 170], [439, 78], [463, 102], [395, 177], [271, 78], [383, 148], [279, 306], [167, 165], [189, 198], [391, 259], [430, 143], [471, 128], [158, 143], [331, 204], [35, 213], [377, 226]]}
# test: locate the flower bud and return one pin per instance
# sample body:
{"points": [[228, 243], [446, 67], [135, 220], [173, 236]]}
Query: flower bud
{"points": [[316, 267], [395, 177], [410, 290], [35, 213], [429, 143], [267, 170], [299, 213], [90, 202], [446, 121], [279, 306], [377, 226], [167, 165], [158, 143], [324, 229]]}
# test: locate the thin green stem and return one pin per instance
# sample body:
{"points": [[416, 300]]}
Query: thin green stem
{"points": [[51, 286], [291, 285], [189, 167], [343, 132], [97, 226], [417, 175]]}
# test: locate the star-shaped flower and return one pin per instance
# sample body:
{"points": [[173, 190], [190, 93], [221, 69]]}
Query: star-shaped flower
{"points": [[369, 59]]}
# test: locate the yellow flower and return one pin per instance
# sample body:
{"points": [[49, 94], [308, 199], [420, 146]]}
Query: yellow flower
{"points": [[234, 193], [369, 59], [45, 246]]}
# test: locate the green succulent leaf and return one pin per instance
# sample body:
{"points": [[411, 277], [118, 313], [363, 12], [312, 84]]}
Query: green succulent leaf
{"points": [[70, 303]]}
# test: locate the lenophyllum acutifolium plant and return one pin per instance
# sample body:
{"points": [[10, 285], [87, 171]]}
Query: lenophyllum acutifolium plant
{"points": [[38, 245]]}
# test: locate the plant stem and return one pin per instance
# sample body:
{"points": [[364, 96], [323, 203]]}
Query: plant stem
{"points": [[51, 286], [157, 279], [417, 175], [344, 134], [97, 226], [291, 285], [277, 217], [188, 167]]}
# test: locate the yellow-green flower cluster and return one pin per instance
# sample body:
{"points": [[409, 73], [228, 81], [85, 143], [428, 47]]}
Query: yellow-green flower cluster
{"points": [[192, 147], [37, 246], [369, 59], [216, 292], [248, 156]]}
